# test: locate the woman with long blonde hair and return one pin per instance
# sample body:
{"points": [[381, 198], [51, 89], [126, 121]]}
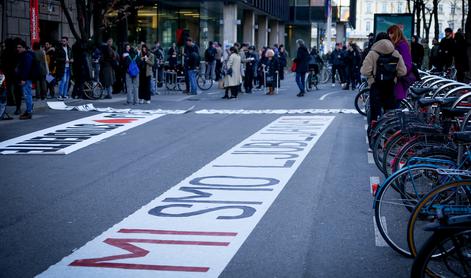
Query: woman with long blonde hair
{"points": [[402, 46]]}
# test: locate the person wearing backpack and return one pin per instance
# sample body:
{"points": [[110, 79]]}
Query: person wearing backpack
{"points": [[24, 78], [130, 58], [402, 46], [382, 66]]}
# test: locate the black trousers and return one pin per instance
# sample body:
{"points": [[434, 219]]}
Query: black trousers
{"points": [[218, 69], [340, 69], [382, 99], [248, 81], [144, 87]]}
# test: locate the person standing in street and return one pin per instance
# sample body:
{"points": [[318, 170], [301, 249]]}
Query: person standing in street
{"points": [[81, 68], [283, 61], [218, 58], [51, 65], [172, 55], [107, 64], [272, 71], [417, 51], [158, 52], [402, 46], [353, 68], [337, 60], [233, 78], [130, 60], [460, 56], [145, 74], [302, 66], [250, 68], [210, 62], [435, 55], [445, 50], [382, 95], [24, 76], [192, 61], [426, 61], [40, 61], [63, 67]]}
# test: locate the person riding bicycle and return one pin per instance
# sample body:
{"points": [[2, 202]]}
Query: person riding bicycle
{"points": [[315, 61]]}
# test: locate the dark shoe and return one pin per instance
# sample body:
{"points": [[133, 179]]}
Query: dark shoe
{"points": [[108, 97], [233, 97], [300, 95], [25, 116], [346, 88], [225, 97], [17, 112]]}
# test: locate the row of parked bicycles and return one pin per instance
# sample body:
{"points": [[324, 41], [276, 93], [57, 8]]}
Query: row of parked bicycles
{"points": [[423, 208]]}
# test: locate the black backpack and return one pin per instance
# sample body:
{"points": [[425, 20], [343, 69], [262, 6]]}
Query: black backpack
{"points": [[386, 67]]}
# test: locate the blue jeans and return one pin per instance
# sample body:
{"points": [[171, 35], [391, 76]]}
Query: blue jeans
{"points": [[64, 85], [192, 77], [28, 95], [301, 81]]}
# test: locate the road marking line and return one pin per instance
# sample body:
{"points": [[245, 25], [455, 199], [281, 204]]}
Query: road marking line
{"points": [[379, 240], [69, 137], [328, 94], [366, 127], [371, 159], [196, 227], [366, 137]]}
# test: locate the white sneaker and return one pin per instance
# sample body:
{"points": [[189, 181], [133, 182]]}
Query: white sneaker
{"points": [[141, 101], [148, 102], [333, 84]]}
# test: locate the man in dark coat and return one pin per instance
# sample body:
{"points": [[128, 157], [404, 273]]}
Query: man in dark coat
{"points": [[24, 76], [63, 63], [461, 57], [417, 51], [192, 62], [107, 66], [445, 51], [302, 66], [337, 59], [353, 66], [81, 68]]}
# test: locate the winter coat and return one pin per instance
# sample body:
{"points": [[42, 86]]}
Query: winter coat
{"points": [[234, 79], [403, 85], [172, 57], [445, 51], [272, 68], [146, 67], [40, 60], [302, 60], [24, 66], [460, 54], [192, 57], [51, 60], [417, 51], [107, 64], [435, 56], [60, 61], [368, 68], [426, 61], [337, 58]]}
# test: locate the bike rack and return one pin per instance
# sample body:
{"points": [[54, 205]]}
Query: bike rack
{"points": [[443, 87], [465, 95]]}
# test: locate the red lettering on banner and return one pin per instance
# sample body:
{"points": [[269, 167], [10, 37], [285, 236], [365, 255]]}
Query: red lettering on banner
{"points": [[138, 252]]}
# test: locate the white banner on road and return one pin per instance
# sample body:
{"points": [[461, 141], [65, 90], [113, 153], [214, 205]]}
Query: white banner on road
{"points": [[276, 111], [60, 105], [72, 136], [196, 227]]}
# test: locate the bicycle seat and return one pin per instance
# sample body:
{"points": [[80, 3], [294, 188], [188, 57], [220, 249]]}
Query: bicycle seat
{"points": [[462, 137], [418, 92], [442, 102]]}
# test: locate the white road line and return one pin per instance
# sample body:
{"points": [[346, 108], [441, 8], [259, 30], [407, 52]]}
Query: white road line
{"points": [[366, 137], [366, 127], [328, 94], [275, 111], [371, 159], [196, 227], [379, 240]]}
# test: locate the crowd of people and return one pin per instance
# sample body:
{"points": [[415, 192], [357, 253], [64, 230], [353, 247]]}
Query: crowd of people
{"points": [[138, 70]]}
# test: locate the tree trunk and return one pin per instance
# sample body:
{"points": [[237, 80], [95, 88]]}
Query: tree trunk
{"points": [[426, 24], [435, 18], [69, 20], [418, 25], [463, 2]]}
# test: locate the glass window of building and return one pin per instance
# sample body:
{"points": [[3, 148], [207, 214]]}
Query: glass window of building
{"points": [[440, 9], [368, 7], [302, 3], [400, 7], [384, 7], [368, 26]]}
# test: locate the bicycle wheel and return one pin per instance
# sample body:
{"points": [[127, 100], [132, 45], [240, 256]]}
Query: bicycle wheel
{"points": [[309, 82], [88, 90], [362, 101], [324, 75], [455, 262], [97, 90], [204, 84], [181, 84], [450, 195], [396, 199]]}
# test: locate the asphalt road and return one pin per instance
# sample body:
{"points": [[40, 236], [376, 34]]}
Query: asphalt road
{"points": [[320, 225]]}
